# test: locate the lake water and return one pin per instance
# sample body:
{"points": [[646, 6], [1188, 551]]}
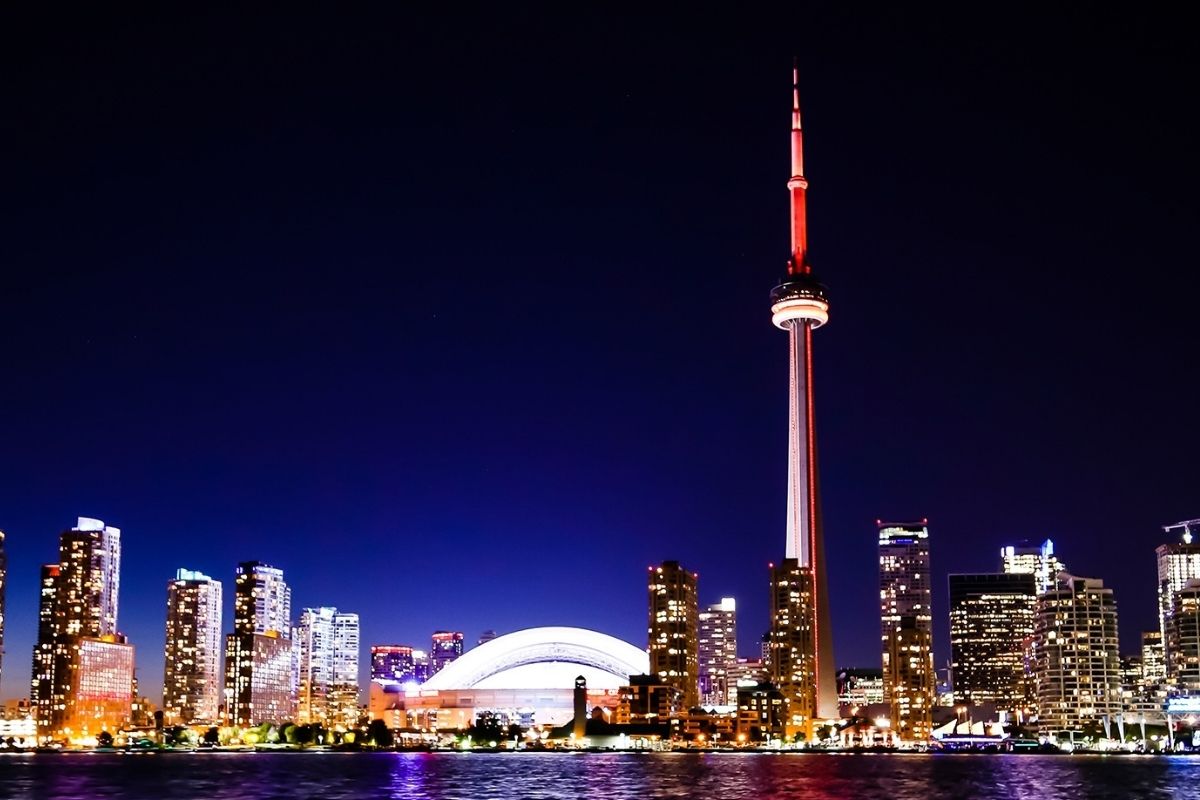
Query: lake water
{"points": [[714, 776]]}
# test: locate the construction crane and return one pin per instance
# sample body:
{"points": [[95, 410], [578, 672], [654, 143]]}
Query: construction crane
{"points": [[1187, 526]]}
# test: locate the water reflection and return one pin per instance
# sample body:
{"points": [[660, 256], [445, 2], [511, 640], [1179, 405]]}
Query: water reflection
{"points": [[720, 776]]}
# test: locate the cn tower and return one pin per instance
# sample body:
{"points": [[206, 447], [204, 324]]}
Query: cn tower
{"points": [[799, 306]]}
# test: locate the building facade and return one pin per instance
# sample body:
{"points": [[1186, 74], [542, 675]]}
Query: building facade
{"points": [[3, 587], [79, 658], [192, 675], [260, 663], [327, 643], [1183, 640], [717, 652], [792, 650], [445, 647], [905, 594], [674, 629], [1036, 560], [1178, 563], [1076, 656], [991, 629]]}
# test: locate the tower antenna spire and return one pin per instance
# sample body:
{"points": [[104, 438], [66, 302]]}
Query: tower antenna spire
{"points": [[798, 185]]}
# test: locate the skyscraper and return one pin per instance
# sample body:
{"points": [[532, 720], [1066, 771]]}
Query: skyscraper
{"points": [[392, 663], [1183, 639], [799, 306], [1178, 563], [907, 627], [791, 652], [1154, 665], [991, 624], [445, 647], [192, 670], [83, 668], [41, 690], [717, 652], [1076, 660], [674, 617], [1036, 560], [328, 653], [260, 669], [3, 585]]}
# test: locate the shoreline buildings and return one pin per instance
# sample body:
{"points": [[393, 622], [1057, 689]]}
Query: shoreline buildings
{"points": [[1178, 592], [82, 678], [192, 669], [905, 595], [716, 641], [991, 624], [260, 667], [673, 629], [1076, 655], [327, 642], [801, 639]]}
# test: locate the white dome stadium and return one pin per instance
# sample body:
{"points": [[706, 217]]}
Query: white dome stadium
{"points": [[544, 658]]}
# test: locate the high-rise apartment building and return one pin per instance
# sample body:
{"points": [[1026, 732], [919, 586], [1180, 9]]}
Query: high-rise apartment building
{"points": [[41, 690], [3, 586], [260, 663], [716, 650], [1178, 563], [392, 663], [1154, 664], [83, 668], [328, 651], [905, 594], [674, 617], [1036, 560], [1183, 639], [192, 679], [791, 651], [1076, 657], [445, 647], [991, 625]]}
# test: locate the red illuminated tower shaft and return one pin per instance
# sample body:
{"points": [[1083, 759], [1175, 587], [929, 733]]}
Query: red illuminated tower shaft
{"points": [[799, 306]]}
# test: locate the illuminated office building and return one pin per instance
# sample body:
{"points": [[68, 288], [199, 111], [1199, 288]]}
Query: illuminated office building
{"points": [[79, 659], [260, 664], [991, 624], [673, 629], [192, 672], [1076, 660], [392, 663], [905, 593], [1183, 639], [1036, 560], [328, 682], [717, 652], [1154, 664], [1178, 563], [3, 586], [445, 647], [791, 654]]}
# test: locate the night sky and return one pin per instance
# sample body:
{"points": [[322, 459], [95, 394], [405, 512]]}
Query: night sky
{"points": [[463, 321]]}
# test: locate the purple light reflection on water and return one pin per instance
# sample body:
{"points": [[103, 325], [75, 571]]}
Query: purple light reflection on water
{"points": [[478, 776]]}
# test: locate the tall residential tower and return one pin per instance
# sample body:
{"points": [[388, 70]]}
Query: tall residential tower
{"points": [[799, 306], [260, 669], [673, 629], [905, 594], [192, 674]]}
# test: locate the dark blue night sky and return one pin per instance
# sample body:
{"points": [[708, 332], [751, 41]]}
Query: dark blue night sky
{"points": [[463, 322]]}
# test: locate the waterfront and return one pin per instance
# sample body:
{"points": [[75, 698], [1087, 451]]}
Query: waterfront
{"points": [[716, 776]]}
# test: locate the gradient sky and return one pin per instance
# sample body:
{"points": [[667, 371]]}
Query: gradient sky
{"points": [[463, 322]]}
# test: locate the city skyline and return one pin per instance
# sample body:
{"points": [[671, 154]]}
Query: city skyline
{"points": [[191, 417]]}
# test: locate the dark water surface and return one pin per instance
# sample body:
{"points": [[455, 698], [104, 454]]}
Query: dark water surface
{"points": [[292, 776]]}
